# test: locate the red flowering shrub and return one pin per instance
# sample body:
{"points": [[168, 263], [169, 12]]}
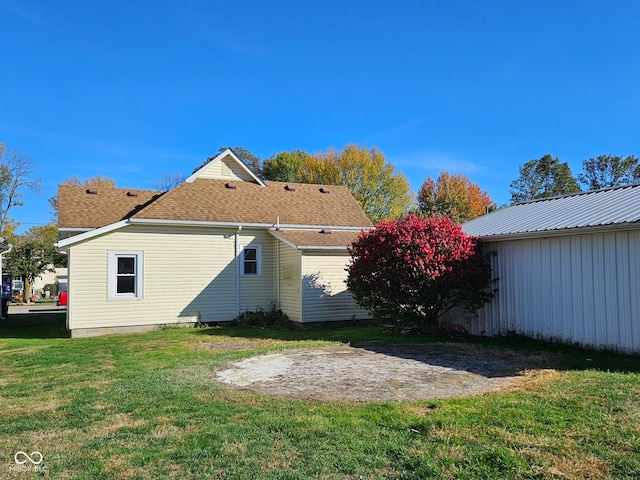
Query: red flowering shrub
{"points": [[415, 269]]}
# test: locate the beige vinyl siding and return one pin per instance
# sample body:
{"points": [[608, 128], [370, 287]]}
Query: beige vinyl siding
{"points": [[188, 273], [225, 169], [257, 291], [290, 282], [325, 294]]}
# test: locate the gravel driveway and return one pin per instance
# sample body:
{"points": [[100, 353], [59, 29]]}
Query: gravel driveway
{"points": [[376, 372]]}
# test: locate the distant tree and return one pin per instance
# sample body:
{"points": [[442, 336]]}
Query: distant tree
{"points": [[33, 254], [380, 191], [285, 166], [609, 171], [453, 195], [413, 270], [168, 181], [95, 181], [16, 175], [545, 177]]}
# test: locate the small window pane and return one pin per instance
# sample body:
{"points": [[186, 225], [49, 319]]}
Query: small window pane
{"points": [[126, 265], [250, 268], [250, 254], [126, 285]]}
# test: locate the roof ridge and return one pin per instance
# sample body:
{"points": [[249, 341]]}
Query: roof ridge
{"points": [[577, 194]]}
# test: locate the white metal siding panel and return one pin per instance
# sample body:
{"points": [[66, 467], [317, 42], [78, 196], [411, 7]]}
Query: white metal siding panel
{"points": [[291, 282], [325, 296], [257, 291], [579, 289], [187, 272]]}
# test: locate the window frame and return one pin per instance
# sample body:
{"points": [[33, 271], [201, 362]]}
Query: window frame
{"points": [[258, 261], [114, 255]]}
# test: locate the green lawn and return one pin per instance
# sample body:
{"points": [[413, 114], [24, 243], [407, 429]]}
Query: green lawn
{"points": [[146, 406]]}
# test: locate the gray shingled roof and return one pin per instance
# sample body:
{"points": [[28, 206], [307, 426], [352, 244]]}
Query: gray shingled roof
{"points": [[593, 209]]}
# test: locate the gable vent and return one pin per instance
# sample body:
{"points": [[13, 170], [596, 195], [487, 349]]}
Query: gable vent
{"points": [[325, 231], [324, 190], [132, 193], [289, 188], [92, 191], [230, 185]]}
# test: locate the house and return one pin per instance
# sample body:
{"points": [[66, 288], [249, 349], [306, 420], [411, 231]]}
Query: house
{"points": [[567, 269], [220, 243]]}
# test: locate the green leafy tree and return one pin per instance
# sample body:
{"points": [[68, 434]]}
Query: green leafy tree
{"points": [[285, 166], [609, 171], [33, 254], [453, 195], [381, 192], [16, 175], [545, 177]]}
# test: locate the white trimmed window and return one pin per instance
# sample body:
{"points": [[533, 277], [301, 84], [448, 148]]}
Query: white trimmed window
{"points": [[125, 274], [251, 260]]}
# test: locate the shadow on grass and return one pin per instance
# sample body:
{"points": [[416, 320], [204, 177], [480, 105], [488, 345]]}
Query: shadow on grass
{"points": [[558, 356], [34, 325]]}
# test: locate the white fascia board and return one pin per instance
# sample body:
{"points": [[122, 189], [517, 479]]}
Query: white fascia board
{"points": [[227, 152], [74, 229], [90, 234], [317, 247], [204, 223]]}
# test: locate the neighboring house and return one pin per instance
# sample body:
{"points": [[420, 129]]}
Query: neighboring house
{"points": [[568, 269], [56, 275], [220, 243]]}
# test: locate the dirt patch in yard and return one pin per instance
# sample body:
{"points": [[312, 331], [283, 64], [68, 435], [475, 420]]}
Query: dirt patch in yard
{"points": [[376, 372]]}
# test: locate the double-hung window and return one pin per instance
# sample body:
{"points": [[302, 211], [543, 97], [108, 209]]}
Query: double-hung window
{"points": [[251, 260], [125, 274]]}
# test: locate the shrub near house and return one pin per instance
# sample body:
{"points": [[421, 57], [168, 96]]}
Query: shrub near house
{"points": [[414, 270]]}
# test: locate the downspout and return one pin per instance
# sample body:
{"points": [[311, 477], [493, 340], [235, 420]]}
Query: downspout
{"points": [[1, 293], [277, 243], [237, 248]]}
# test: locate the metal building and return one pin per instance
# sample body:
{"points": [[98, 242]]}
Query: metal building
{"points": [[567, 269]]}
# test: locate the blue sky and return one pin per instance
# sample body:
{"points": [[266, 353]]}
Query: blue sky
{"points": [[132, 89]]}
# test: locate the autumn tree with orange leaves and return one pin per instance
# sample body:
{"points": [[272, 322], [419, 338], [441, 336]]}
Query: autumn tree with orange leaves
{"points": [[454, 196]]}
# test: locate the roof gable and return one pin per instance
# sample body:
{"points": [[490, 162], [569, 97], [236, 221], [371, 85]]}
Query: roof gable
{"points": [[617, 206], [225, 166], [220, 201]]}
